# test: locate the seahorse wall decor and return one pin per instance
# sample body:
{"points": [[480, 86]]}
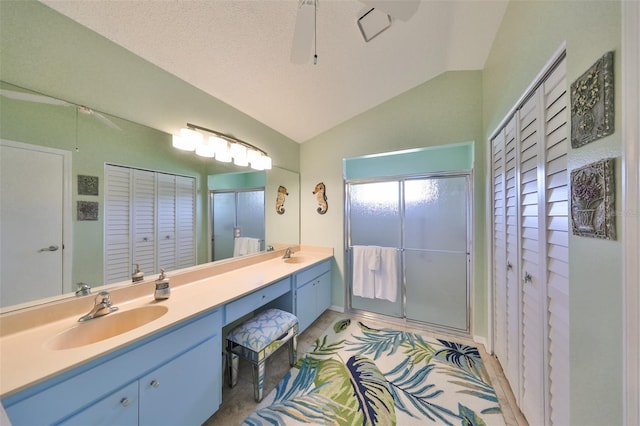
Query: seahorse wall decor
{"points": [[280, 198], [321, 197]]}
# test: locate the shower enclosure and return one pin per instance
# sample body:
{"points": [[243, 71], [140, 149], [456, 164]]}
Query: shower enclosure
{"points": [[426, 219]]}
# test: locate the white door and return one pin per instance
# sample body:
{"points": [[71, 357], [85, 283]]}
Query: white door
{"points": [[32, 215]]}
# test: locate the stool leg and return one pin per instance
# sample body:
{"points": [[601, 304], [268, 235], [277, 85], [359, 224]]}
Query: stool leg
{"points": [[229, 371], [293, 350], [258, 380]]}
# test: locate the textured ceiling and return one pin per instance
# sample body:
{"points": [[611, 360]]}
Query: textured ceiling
{"points": [[239, 52]]}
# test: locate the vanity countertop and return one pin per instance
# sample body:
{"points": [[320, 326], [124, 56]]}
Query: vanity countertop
{"points": [[26, 359]]}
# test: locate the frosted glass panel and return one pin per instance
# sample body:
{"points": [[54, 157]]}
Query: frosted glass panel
{"points": [[375, 214], [437, 288], [375, 220], [224, 219], [436, 214], [250, 214]]}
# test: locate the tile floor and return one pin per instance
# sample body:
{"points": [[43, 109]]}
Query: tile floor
{"points": [[238, 403]]}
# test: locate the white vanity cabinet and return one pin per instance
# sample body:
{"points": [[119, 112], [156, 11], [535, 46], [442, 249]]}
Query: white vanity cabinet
{"points": [[313, 293], [171, 378]]}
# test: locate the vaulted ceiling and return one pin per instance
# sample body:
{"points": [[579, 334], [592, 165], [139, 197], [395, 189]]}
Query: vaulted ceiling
{"points": [[239, 51]]}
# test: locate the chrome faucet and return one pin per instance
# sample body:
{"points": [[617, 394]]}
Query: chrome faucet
{"points": [[101, 307], [287, 253], [83, 289]]}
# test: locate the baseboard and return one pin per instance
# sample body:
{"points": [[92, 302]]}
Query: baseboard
{"points": [[337, 308], [480, 340]]}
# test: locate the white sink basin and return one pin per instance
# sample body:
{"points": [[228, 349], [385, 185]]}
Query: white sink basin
{"points": [[101, 328]]}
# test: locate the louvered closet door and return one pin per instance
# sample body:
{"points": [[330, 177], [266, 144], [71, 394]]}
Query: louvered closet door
{"points": [[512, 251], [532, 247], [557, 234], [117, 254], [499, 250], [144, 220], [531, 269], [166, 221], [185, 221]]}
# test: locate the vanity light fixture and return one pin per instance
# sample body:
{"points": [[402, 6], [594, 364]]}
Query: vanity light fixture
{"points": [[222, 147]]}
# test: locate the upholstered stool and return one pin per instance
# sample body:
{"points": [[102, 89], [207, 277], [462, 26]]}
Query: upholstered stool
{"points": [[256, 339]]}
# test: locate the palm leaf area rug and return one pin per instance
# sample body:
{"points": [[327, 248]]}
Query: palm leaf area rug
{"points": [[359, 375]]}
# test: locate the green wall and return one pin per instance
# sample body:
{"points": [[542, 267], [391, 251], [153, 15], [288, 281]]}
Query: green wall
{"points": [[530, 33], [442, 111]]}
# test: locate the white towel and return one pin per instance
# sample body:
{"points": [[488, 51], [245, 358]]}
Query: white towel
{"points": [[245, 245], [363, 283], [386, 277]]}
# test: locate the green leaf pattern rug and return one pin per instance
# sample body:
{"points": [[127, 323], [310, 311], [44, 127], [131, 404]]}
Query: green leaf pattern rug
{"points": [[358, 375]]}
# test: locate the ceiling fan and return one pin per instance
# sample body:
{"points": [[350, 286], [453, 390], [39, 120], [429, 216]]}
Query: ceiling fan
{"points": [[42, 99], [305, 30]]}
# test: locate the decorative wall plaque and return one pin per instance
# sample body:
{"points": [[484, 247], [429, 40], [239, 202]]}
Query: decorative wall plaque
{"points": [[87, 185], [592, 103], [280, 199], [320, 191], [88, 210], [593, 200]]}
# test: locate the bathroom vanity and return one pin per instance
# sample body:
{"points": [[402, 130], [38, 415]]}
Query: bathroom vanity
{"points": [[165, 370]]}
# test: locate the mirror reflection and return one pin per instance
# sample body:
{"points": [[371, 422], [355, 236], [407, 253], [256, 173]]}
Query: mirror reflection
{"points": [[54, 156]]}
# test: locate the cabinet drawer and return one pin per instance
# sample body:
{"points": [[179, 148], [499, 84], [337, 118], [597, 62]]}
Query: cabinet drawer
{"points": [[253, 301], [315, 271]]}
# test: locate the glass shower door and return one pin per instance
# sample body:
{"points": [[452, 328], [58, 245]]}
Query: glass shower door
{"points": [[436, 250], [375, 220], [236, 213]]}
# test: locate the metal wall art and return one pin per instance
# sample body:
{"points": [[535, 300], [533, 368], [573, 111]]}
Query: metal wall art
{"points": [[87, 185], [88, 210], [593, 200], [280, 199], [321, 197], [592, 103]]}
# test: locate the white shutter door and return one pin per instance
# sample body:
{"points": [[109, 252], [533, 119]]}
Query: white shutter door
{"points": [[533, 317], [512, 276], [166, 221], [117, 254], [557, 233], [144, 220], [186, 221], [499, 250]]}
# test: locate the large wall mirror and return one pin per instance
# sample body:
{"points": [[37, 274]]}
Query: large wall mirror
{"points": [[87, 140]]}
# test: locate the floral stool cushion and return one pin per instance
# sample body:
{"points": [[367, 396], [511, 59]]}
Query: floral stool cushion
{"points": [[258, 338]]}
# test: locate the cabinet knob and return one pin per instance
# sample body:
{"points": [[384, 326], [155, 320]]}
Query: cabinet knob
{"points": [[125, 402], [145, 239], [527, 277], [168, 237], [154, 383], [509, 266]]}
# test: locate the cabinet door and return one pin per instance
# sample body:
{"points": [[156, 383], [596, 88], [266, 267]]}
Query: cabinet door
{"points": [[184, 391], [305, 306], [119, 408], [323, 293]]}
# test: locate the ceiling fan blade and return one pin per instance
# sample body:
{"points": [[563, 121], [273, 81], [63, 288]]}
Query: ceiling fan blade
{"points": [[100, 117], [303, 32], [105, 120], [401, 9], [30, 97]]}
